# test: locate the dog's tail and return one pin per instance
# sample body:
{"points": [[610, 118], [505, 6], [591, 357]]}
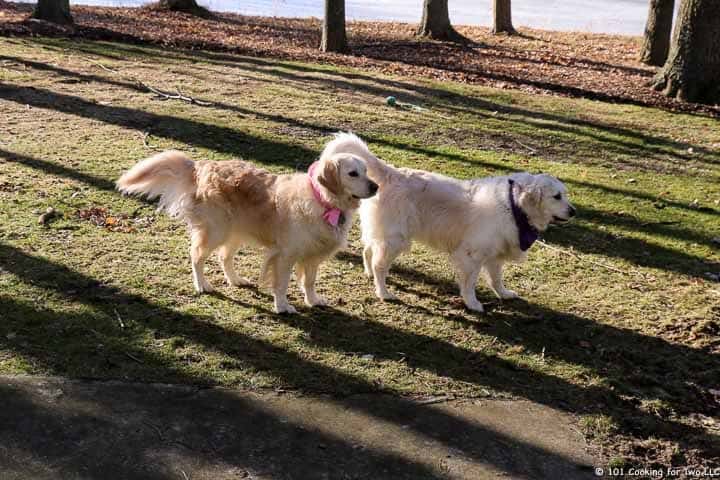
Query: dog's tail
{"points": [[169, 175], [346, 142]]}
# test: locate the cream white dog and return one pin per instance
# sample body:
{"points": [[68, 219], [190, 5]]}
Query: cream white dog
{"points": [[481, 224], [300, 219]]}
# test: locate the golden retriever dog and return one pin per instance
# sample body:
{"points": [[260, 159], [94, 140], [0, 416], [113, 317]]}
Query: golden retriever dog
{"points": [[300, 219], [481, 224]]}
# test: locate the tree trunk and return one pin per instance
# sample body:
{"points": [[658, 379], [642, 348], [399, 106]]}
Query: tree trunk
{"points": [[436, 21], [692, 70], [502, 17], [55, 11], [334, 38], [187, 6], [658, 30]]}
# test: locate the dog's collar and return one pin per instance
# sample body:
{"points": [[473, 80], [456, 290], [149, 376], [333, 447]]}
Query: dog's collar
{"points": [[333, 216], [527, 234]]}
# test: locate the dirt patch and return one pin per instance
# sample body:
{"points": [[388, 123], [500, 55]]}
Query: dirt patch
{"points": [[120, 222]]}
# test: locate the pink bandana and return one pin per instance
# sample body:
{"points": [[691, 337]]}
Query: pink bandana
{"points": [[332, 214]]}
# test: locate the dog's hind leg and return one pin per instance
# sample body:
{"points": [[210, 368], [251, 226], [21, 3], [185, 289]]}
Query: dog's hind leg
{"points": [[307, 273], [382, 256], [492, 271], [202, 244], [226, 255], [467, 270]]}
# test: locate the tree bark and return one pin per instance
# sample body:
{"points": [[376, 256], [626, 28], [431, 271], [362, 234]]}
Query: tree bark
{"points": [[502, 17], [55, 11], [334, 37], [692, 70], [658, 31], [187, 6], [436, 21]]}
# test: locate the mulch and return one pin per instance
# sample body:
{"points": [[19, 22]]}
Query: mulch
{"points": [[575, 64]]}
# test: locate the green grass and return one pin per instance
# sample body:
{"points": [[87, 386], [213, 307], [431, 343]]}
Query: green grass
{"points": [[620, 327]]}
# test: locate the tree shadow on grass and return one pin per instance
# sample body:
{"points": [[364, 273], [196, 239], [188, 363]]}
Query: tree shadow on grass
{"points": [[416, 93], [42, 339], [636, 366], [636, 143], [400, 51], [434, 55], [53, 168], [581, 238], [666, 154], [325, 129], [154, 431], [219, 138], [229, 140]]}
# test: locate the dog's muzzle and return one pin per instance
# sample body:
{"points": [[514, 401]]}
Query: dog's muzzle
{"points": [[372, 190], [571, 213]]}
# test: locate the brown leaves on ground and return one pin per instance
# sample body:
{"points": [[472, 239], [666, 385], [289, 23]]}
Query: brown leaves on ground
{"points": [[602, 67], [102, 218]]}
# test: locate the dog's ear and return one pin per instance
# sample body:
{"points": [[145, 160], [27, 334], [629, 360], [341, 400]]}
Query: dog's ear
{"points": [[330, 176], [531, 195]]}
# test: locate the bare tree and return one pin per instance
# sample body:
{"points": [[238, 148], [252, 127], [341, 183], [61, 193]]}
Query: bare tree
{"points": [[658, 31], [55, 11], [187, 6], [436, 21], [334, 37], [502, 17], [692, 70]]}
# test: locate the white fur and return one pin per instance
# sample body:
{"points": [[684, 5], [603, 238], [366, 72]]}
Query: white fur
{"points": [[471, 221], [233, 203]]}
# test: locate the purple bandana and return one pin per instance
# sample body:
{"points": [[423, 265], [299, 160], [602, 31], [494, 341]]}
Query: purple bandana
{"points": [[527, 234]]}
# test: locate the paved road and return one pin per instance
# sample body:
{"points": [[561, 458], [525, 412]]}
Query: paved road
{"points": [[52, 428]]}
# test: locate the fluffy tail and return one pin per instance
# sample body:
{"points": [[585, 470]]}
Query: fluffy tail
{"points": [[169, 175], [345, 142]]}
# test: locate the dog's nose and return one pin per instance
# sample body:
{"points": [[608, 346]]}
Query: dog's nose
{"points": [[572, 211], [373, 187]]}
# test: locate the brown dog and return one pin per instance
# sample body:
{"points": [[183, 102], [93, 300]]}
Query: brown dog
{"points": [[300, 219]]}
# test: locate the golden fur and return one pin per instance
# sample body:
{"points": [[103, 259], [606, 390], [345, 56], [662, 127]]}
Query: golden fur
{"points": [[233, 203]]}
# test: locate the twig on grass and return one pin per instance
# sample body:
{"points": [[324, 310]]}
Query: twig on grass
{"points": [[532, 150], [160, 93], [145, 136], [133, 357], [157, 430], [646, 224], [575, 255], [433, 400], [107, 69], [172, 96], [119, 319]]}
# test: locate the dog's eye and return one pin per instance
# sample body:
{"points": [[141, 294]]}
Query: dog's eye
{"points": [[558, 196], [353, 173]]}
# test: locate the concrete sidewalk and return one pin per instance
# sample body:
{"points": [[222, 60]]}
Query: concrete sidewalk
{"points": [[52, 428]]}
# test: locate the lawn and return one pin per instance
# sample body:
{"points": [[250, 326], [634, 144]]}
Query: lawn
{"points": [[620, 322]]}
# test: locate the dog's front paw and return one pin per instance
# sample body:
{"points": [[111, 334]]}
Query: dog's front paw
{"points": [[316, 301], [239, 282], [508, 294], [287, 308], [204, 287], [475, 306], [386, 296]]}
